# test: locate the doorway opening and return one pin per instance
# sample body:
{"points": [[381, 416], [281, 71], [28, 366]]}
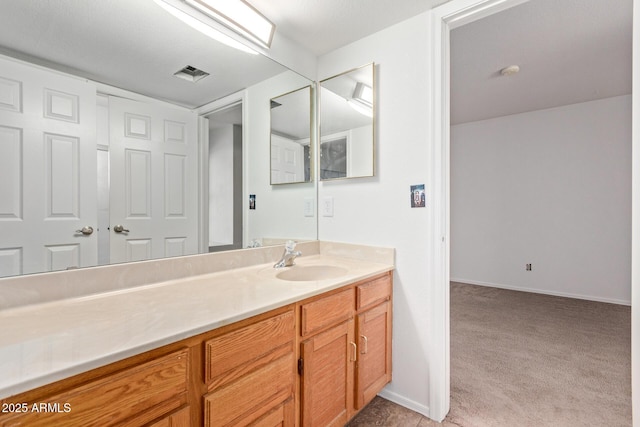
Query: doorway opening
{"points": [[225, 178], [452, 16]]}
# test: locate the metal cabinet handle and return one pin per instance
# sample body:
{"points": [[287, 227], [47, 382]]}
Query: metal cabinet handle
{"points": [[365, 347], [119, 229], [86, 230], [355, 352]]}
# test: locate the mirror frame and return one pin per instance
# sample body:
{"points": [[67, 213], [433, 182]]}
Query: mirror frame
{"points": [[373, 122]]}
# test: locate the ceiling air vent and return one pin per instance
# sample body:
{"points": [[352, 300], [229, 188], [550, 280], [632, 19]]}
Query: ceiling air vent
{"points": [[191, 74]]}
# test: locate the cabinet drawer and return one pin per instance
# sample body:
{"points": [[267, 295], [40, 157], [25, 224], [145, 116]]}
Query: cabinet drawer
{"points": [[373, 292], [246, 400], [327, 311], [229, 355], [145, 392], [180, 418]]}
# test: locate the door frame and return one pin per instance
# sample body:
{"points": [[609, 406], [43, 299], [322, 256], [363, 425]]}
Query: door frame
{"points": [[237, 98], [443, 19]]}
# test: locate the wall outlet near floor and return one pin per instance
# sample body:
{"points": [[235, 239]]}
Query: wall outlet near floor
{"points": [[527, 267]]}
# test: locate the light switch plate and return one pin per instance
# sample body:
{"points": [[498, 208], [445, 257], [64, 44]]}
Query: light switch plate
{"points": [[308, 207], [327, 206]]}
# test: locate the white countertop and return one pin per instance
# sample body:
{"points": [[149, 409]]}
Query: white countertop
{"points": [[43, 343]]}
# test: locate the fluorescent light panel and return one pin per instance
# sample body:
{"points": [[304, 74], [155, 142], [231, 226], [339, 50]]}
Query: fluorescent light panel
{"points": [[239, 16], [362, 99], [363, 93], [205, 29], [360, 107]]}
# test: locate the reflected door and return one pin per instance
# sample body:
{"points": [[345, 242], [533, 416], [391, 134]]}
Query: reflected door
{"points": [[287, 160], [154, 181], [47, 170]]}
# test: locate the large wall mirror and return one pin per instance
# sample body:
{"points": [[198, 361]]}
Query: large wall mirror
{"points": [[291, 149], [108, 152], [347, 108]]}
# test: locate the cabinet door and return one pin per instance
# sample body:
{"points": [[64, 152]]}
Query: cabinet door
{"points": [[373, 368], [281, 416], [327, 377]]}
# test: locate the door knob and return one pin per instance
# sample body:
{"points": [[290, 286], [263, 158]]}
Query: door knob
{"points": [[119, 229], [86, 230]]}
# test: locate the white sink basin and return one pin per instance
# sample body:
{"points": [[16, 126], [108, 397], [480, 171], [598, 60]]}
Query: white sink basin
{"points": [[310, 273]]}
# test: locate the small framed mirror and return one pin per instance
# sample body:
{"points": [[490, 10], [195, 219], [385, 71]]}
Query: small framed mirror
{"points": [[291, 137], [347, 110]]}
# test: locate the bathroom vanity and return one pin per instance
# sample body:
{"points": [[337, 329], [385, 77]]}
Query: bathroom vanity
{"points": [[307, 345]]}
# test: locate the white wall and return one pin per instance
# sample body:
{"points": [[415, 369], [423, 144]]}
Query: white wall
{"points": [[377, 210], [360, 155], [279, 209], [220, 192], [551, 188]]}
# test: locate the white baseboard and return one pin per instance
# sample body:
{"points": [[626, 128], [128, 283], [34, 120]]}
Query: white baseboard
{"points": [[403, 401], [542, 291]]}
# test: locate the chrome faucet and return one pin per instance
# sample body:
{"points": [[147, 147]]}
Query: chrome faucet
{"points": [[288, 256]]}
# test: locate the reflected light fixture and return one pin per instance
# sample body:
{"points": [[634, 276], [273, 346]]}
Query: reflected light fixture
{"points": [[203, 27], [362, 99], [239, 16]]}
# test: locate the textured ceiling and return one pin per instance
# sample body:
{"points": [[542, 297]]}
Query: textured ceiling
{"points": [[135, 45], [568, 51], [321, 26]]}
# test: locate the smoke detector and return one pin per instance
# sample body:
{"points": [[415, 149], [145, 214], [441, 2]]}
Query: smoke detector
{"points": [[191, 74]]}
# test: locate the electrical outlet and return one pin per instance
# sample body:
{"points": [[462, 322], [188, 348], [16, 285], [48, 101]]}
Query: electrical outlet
{"points": [[327, 206], [527, 267]]}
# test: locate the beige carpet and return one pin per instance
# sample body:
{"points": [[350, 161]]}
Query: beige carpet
{"points": [[523, 359]]}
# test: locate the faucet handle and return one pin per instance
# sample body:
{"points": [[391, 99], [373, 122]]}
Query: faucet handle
{"points": [[290, 245]]}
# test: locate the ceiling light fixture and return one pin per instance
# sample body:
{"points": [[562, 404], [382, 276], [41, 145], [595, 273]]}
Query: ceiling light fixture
{"points": [[203, 27], [510, 70], [239, 16]]}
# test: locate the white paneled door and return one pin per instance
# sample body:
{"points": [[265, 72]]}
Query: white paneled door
{"points": [[47, 170], [154, 181], [287, 160]]}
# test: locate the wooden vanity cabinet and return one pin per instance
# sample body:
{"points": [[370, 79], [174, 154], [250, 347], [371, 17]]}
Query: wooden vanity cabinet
{"points": [[312, 363], [345, 351], [237, 375]]}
